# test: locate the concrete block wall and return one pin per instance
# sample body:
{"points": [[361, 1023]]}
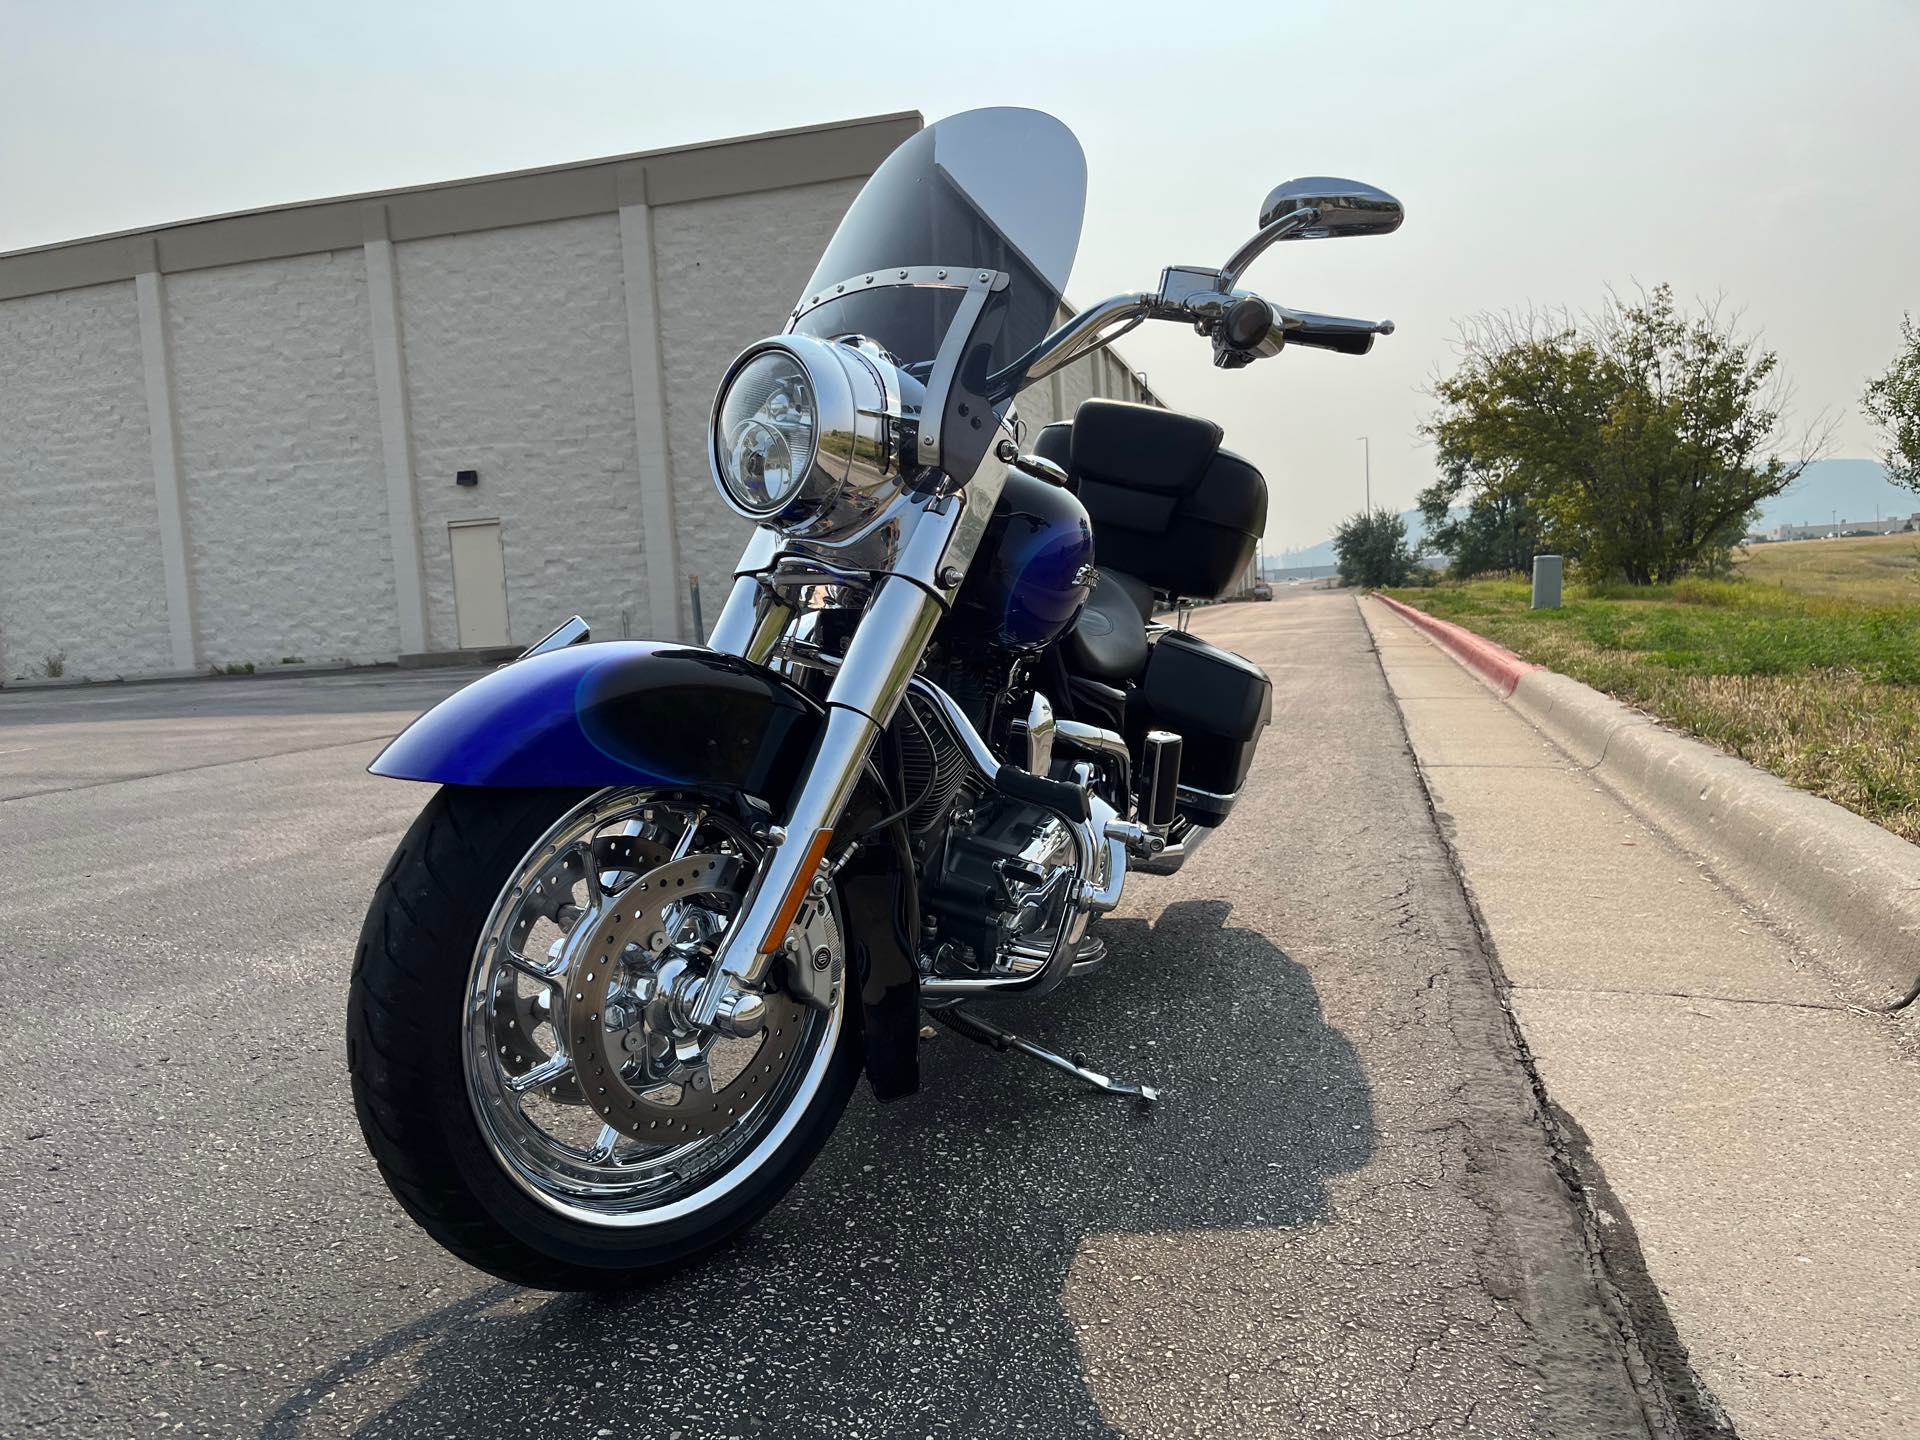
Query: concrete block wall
{"points": [[279, 454], [80, 575], [240, 446], [517, 367]]}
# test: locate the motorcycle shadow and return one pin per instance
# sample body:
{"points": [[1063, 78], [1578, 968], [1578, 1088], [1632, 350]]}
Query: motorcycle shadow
{"points": [[1006, 1253]]}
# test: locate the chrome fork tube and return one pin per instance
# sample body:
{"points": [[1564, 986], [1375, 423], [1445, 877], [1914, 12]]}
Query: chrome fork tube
{"points": [[887, 646], [755, 615], [751, 622], [923, 575]]}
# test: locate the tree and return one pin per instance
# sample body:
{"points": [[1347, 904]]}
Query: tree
{"points": [[1500, 531], [1892, 402], [1642, 437], [1371, 547]]}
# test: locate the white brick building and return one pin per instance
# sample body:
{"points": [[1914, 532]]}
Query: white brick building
{"points": [[236, 440]]}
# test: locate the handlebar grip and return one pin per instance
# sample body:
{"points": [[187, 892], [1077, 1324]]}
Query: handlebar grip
{"points": [[1334, 332], [1340, 341]]}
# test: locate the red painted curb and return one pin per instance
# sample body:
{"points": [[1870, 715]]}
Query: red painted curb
{"points": [[1495, 664]]}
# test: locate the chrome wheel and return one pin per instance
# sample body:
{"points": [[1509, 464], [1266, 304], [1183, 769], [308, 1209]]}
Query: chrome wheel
{"points": [[592, 1089]]}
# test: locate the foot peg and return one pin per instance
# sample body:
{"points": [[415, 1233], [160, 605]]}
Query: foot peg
{"points": [[995, 1038]]}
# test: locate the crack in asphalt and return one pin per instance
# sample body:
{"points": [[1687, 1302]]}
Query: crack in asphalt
{"points": [[1836, 1007], [1676, 1403]]}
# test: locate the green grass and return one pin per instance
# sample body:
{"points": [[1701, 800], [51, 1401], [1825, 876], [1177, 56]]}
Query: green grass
{"points": [[1814, 684]]}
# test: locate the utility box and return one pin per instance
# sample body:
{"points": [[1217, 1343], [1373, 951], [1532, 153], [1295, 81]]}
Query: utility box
{"points": [[1546, 582]]}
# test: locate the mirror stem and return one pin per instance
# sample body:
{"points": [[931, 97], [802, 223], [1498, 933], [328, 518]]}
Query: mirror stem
{"points": [[1291, 223]]}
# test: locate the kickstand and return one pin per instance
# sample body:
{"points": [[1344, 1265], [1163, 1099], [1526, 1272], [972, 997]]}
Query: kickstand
{"points": [[992, 1036]]}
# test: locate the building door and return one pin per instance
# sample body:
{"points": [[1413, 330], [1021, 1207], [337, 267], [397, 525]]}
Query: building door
{"points": [[479, 582]]}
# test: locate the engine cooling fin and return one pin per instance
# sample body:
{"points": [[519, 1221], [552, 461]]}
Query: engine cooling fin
{"points": [[931, 762]]}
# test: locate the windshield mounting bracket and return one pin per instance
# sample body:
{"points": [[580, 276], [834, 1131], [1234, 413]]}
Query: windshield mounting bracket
{"points": [[977, 284], [931, 277]]}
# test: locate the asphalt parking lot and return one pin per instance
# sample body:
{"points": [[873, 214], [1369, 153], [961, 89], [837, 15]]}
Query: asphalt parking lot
{"points": [[1344, 1219]]}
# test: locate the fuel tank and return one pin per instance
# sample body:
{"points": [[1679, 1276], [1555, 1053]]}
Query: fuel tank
{"points": [[1034, 569]]}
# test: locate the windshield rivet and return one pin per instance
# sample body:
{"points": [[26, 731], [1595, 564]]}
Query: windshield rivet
{"points": [[926, 440], [869, 279], [838, 288], [940, 275], [903, 274], [983, 277]]}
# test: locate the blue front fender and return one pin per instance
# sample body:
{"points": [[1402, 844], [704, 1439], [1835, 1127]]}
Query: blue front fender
{"points": [[642, 712], [623, 712]]}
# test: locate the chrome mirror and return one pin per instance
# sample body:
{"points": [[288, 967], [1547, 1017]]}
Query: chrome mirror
{"points": [[1341, 207], [1313, 208]]}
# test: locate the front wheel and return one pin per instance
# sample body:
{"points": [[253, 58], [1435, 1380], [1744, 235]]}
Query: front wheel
{"points": [[522, 1065]]}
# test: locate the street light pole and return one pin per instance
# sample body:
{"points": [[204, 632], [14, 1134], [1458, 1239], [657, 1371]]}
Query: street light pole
{"points": [[1367, 442]]}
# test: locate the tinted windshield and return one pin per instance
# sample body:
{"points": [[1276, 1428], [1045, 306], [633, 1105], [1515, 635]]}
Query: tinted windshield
{"points": [[1000, 189]]}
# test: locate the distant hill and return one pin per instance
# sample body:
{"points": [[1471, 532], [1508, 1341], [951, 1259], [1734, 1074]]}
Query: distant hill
{"points": [[1829, 489]]}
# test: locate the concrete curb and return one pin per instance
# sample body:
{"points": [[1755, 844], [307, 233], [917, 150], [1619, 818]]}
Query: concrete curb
{"points": [[1495, 664], [1822, 869]]}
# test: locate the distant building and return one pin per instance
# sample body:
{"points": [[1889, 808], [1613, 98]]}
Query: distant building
{"points": [[1299, 572], [403, 424], [1890, 526]]}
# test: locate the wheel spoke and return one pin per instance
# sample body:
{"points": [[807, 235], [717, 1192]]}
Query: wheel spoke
{"points": [[590, 871], [553, 1068], [605, 1145], [547, 972]]}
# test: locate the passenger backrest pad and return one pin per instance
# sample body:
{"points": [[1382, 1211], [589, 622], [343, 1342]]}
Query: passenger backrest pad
{"points": [[1168, 505], [1134, 463]]}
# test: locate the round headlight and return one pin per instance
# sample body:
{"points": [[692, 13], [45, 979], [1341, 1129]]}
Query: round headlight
{"points": [[767, 432], [811, 436]]}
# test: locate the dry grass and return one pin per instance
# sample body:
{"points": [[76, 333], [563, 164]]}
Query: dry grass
{"points": [[1877, 570], [1822, 690], [1852, 740]]}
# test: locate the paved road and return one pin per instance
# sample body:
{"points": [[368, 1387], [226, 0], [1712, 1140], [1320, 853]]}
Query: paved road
{"points": [[1344, 1219]]}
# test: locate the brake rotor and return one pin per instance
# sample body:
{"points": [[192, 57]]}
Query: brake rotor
{"points": [[624, 979], [518, 1017]]}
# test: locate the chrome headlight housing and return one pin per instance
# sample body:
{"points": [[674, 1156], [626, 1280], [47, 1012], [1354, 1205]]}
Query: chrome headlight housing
{"points": [[812, 436]]}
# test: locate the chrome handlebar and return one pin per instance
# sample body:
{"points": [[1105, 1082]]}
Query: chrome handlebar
{"points": [[1085, 333]]}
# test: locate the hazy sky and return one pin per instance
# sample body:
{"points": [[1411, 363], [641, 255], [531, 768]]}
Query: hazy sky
{"points": [[1768, 150]]}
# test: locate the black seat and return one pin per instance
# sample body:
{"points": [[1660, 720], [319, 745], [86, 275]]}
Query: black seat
{"points": [[1109, 641]]}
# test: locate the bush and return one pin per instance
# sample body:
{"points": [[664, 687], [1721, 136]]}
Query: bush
{"points": [[1639, 440], [1372, 550]]}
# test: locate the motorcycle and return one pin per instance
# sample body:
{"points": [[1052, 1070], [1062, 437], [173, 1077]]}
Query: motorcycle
{"points": [[671, 901]]}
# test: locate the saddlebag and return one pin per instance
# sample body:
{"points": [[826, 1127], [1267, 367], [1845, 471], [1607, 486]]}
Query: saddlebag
{"points": [[1218, 703]]}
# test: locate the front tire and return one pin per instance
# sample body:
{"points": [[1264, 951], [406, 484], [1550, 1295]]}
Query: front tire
{"points": [[461, 1045]]}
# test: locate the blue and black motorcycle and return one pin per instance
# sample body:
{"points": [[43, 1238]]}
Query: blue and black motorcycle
{"points": [[671, 901]]}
